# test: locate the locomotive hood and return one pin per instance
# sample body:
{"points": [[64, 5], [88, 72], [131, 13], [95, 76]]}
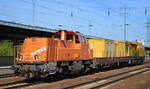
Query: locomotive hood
{"points": [[34, 49]]}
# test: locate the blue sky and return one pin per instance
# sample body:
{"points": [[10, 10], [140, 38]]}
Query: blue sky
{"points": [[76, 15]]}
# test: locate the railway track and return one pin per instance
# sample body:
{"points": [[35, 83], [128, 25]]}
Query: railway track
{"points": [[107, 81], [12, 74], [97, 83], [19, 84], [7, 75], [6, 71]]}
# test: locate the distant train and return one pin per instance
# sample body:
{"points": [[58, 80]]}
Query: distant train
{"points": [[67, 52]]}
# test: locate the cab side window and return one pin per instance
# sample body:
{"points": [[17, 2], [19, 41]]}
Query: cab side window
{"points": [[57, 36], [69, 37], [77, 39], [83, 39]]}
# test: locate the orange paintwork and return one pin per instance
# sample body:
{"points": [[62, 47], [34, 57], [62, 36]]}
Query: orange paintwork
{"points": [[32, 47], [54, 49]]}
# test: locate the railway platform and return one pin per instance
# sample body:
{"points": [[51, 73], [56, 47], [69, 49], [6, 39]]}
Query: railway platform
{"points": [[4, 70]]}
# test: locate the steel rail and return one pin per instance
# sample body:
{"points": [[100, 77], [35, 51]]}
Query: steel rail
{"points": [[77, 86]]}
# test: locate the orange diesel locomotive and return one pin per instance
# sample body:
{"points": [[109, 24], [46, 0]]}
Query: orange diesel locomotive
{"points": [[64, 52]]}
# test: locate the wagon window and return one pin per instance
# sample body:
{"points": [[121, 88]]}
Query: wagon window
{"points": [[69, 37], [126, 48], [77, 39]]}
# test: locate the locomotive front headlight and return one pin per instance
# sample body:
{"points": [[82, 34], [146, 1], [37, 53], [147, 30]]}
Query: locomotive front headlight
{"points": [[20, 57], [36, 58]]}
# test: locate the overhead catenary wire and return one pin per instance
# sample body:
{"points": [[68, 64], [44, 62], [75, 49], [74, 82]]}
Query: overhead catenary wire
{"points": [[72, 14], [129, 8], [27, 19], [58, 11], [74, 6], [111, 9]]}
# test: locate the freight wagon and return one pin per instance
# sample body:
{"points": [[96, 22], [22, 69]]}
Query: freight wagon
{"points": [[108, 52], [66, 52]]}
